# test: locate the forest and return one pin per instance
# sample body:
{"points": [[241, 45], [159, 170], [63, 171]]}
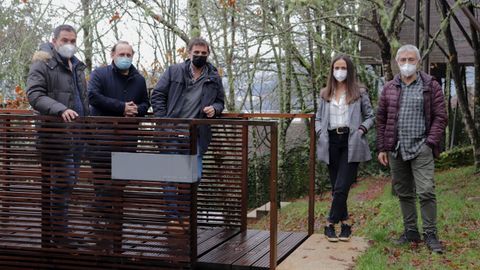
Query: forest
{"points": [[273, 56]]}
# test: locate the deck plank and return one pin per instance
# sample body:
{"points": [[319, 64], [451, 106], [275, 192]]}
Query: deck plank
{"points": [[284, 248], [218, 248], [217, 238], [215, 258], [257, 253], [249, 250]]}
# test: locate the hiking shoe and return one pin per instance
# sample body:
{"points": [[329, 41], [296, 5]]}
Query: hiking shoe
{"points": [[431, 241], [330, 233], [345, 233], [408, 237]]}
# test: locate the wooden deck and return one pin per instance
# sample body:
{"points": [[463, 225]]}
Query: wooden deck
{"points": [[218, 248], [47, 165], [247, 250]]}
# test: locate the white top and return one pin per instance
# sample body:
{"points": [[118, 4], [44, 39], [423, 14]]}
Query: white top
{"points": [[338, 112]]}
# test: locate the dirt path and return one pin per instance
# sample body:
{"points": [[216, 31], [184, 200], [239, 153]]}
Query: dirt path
{"points": [[316, 253], [375, 189]]}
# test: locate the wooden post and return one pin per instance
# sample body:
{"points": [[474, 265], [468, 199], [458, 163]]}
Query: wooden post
{"points": [[273, 195], [311, 174], [244, 206], [193, 224]]}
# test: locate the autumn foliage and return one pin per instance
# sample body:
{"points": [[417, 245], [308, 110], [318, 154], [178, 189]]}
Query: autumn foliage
{"points": [[19, 102]]}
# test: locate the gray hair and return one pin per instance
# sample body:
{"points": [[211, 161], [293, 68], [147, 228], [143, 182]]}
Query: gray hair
{"points": [[114, 48], [408, 48]]}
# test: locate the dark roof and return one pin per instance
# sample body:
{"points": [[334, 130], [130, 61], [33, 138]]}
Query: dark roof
{"points": [[371, 53]]}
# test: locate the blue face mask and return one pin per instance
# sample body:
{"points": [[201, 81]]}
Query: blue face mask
{"points": [[123, 63]]}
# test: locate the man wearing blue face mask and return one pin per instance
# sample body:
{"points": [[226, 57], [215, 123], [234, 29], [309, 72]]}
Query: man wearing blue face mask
{"points": [[118, 89], [114, 90]]}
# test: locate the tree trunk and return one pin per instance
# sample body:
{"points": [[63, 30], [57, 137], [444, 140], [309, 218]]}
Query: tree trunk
{"points": [[476, 92], [194, 9], [229, 28], [461, 91], [385, 48], [87, 34], [449, 135]]}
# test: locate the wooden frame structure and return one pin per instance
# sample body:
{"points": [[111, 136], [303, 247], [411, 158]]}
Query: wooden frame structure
{"points": [[59, 205]]}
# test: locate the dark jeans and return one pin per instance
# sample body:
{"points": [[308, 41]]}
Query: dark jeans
{"points": [[342, 175], [62, 177], [60, 160]]}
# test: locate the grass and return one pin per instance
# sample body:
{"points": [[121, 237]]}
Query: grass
{"points": [[377, 217]]}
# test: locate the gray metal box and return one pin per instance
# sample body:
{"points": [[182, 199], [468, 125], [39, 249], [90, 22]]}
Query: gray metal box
{"points": [[154, 167]]}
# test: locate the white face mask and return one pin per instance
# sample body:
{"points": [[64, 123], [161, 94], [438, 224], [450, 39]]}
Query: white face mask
{"points": [[340, 74], [67, 50], [407, 69]]}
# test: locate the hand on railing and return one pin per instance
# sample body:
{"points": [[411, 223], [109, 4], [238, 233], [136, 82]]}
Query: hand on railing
{"points": [[69, 115]]}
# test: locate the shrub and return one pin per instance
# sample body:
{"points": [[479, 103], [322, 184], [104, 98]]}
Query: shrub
{"points": [[454, 158]]}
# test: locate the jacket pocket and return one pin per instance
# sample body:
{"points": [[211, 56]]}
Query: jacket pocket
{"points": [[323, 147], [358, 147]]}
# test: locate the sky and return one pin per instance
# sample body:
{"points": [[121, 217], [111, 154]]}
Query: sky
{"points": [[127, 30]]}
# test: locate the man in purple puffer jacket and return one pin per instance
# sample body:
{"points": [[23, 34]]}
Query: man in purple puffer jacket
{"points": [[411, 120]]}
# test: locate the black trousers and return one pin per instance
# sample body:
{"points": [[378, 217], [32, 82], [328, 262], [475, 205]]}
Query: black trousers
{"points": [[342, 175]]}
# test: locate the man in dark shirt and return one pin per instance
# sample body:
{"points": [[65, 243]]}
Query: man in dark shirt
{"points": [[192, 89]]}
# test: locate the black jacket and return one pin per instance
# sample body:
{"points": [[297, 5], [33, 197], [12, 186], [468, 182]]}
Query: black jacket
{"points": [[108, 90], [50, 86], [167, 96]]}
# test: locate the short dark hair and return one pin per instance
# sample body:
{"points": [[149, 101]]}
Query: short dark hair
{"points": [[198, 41], [114, 48], [63, 27]]}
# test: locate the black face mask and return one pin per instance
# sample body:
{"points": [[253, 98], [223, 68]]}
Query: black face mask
{"points": [[199, 60]]}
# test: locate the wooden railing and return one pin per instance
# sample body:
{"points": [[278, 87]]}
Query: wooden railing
{"points": [[273, 181], [58, 200], [57, 196]]}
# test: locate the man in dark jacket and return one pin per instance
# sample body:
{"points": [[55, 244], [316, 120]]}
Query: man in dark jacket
{"points": [[192, 89], [56, 86], [114, 90], [411, 119], [118, 89], [56, 82]]}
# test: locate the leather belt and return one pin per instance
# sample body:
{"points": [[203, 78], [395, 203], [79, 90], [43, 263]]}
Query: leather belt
{"points": [[340, 130]]}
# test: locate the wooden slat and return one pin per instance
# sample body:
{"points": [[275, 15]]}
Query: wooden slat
{"points": [[249, 250], [37, 153], [220, 254], [133, 217], [212, 240], [220, 193], [285, 247]]}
